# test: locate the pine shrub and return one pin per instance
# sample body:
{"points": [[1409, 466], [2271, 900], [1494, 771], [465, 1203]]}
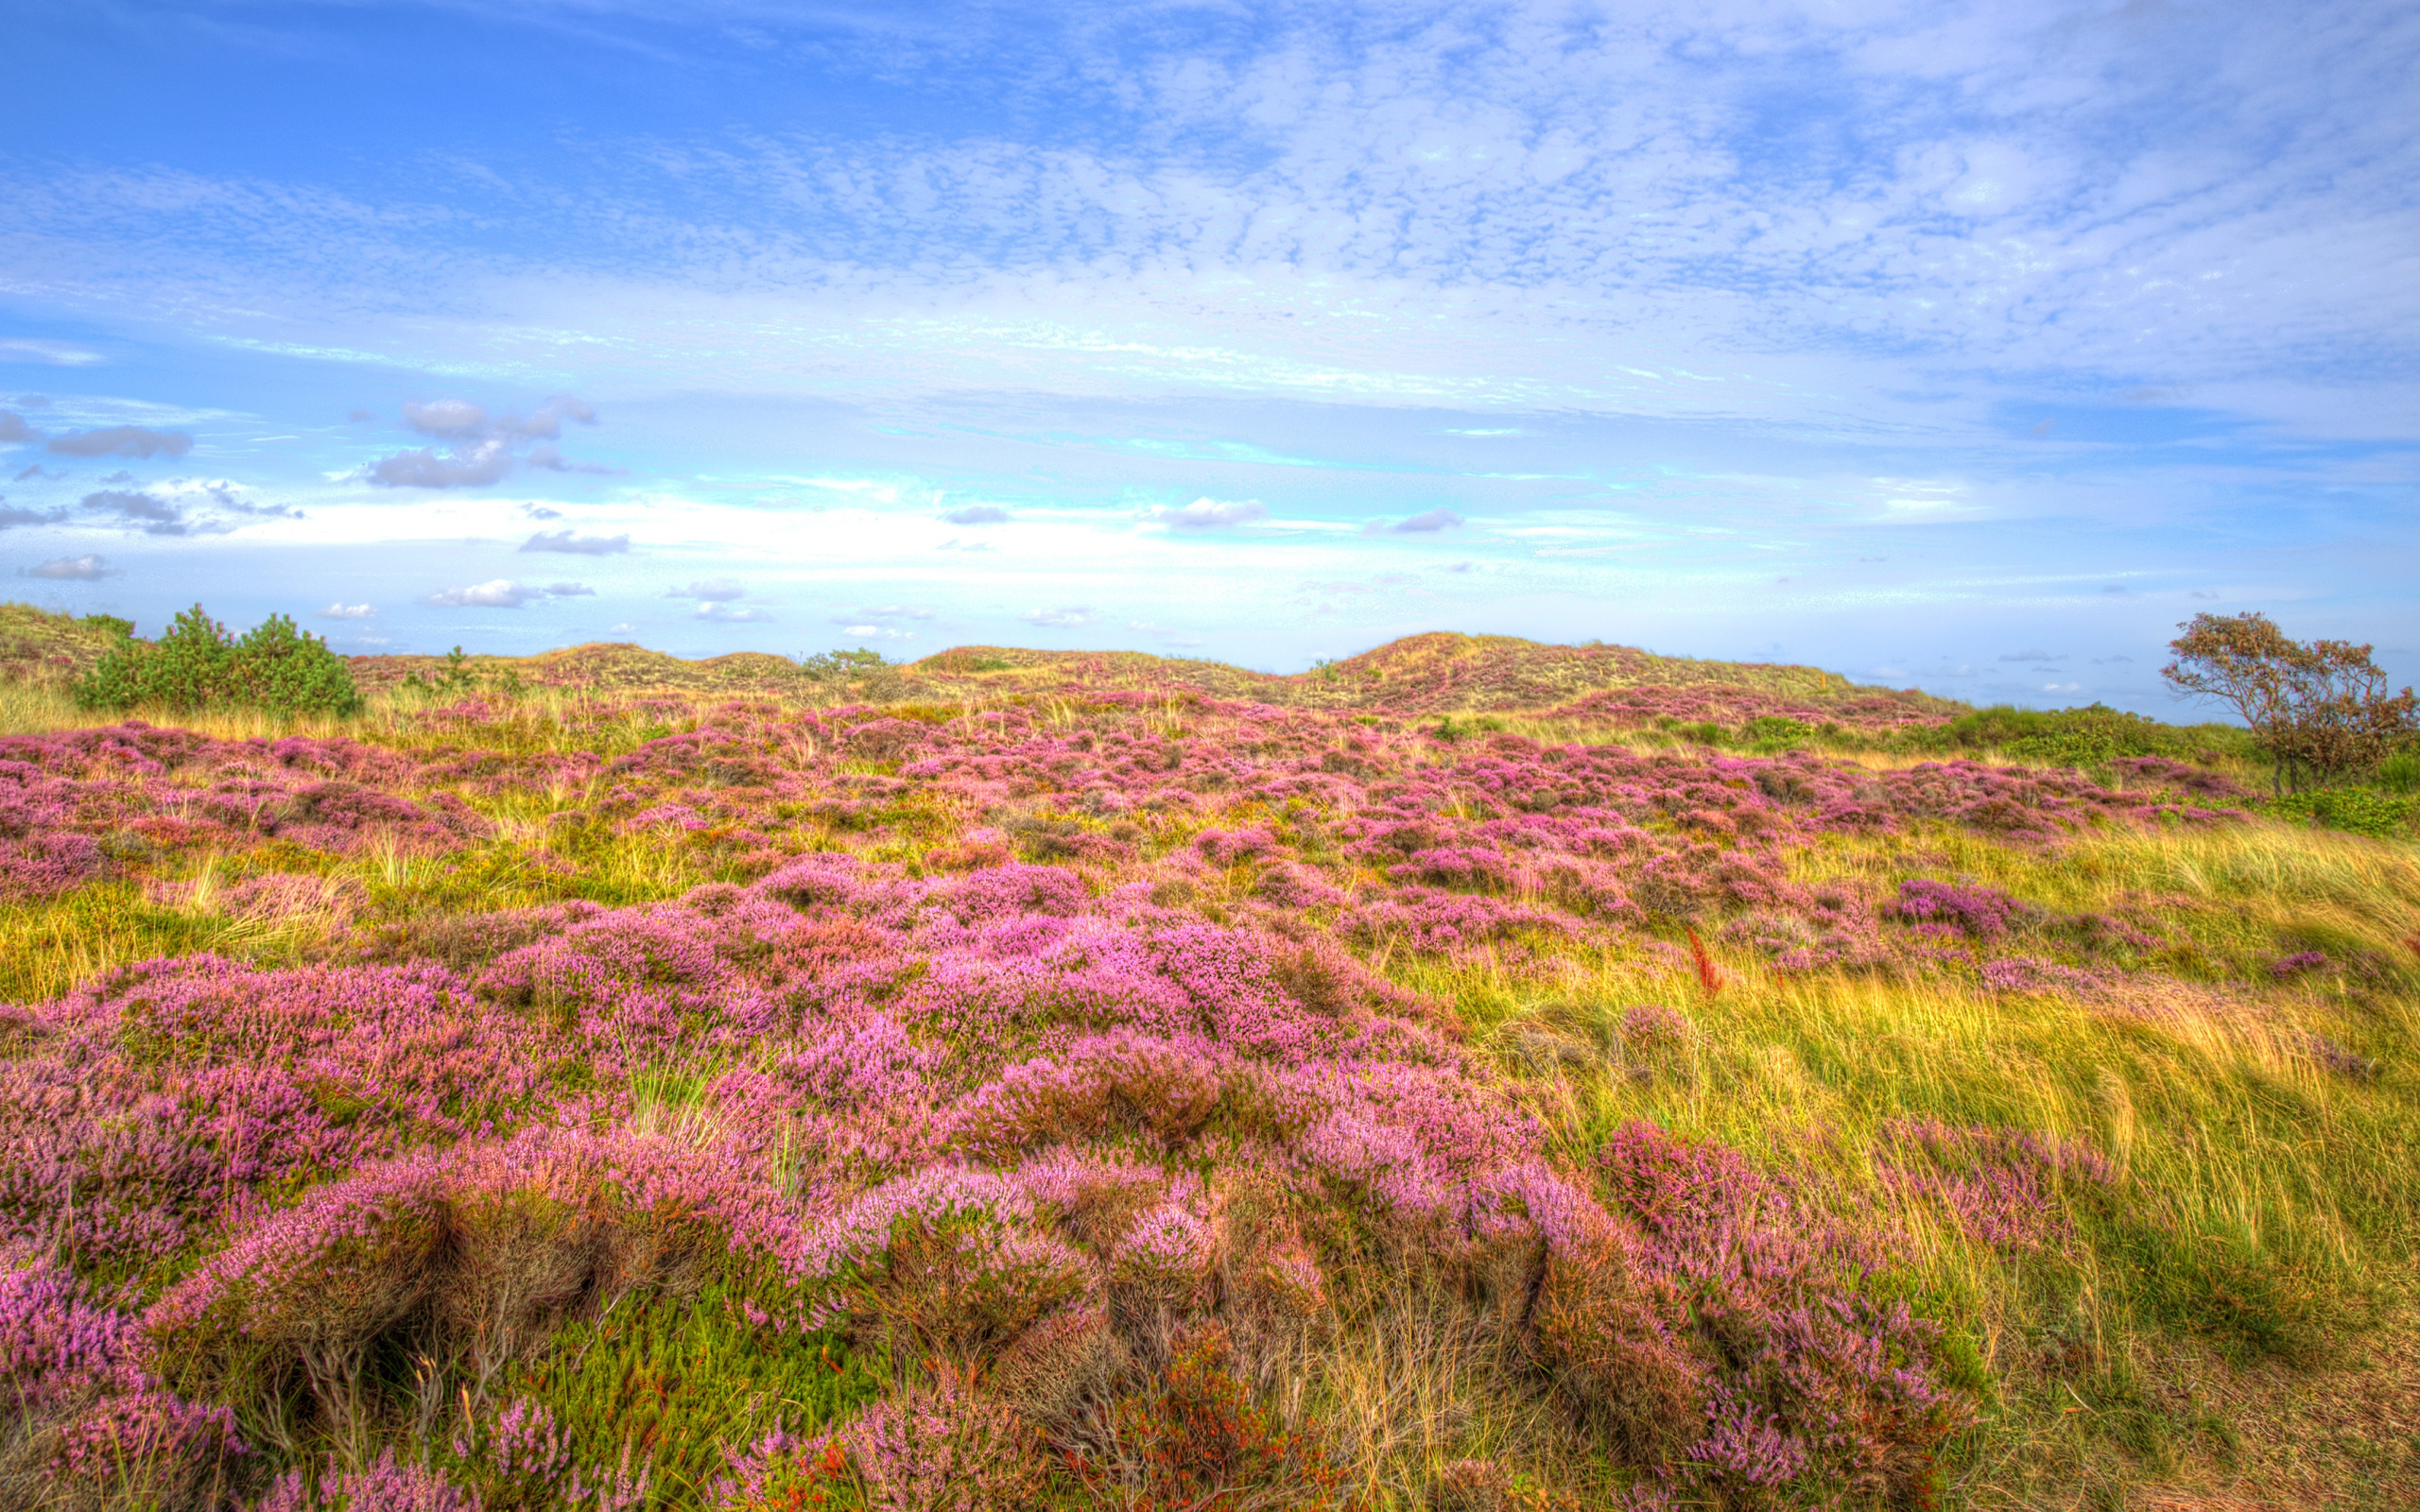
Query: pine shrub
{"points": [[198, 665]]}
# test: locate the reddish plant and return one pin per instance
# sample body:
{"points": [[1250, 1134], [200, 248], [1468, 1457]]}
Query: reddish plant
{"points": [[1194, 1441], [1709, 975]]}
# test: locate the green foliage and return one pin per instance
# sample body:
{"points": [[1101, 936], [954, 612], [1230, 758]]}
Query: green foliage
{"points": [[2065, 737], [2355, 810], [847, 666], [291, 672], [1769, 733], [198, 665], [677, 1379], [1452, 732], [108, 624], [2400, 772]]}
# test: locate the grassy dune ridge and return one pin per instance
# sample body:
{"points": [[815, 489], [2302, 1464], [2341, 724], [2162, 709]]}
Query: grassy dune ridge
{"points": [[1475, 1074]]}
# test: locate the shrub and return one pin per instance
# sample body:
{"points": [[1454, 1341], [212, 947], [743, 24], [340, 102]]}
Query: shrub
{"points": [[2355, 810], [2400, 772], [196, 665]]}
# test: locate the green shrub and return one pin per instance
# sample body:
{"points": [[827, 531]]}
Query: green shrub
{"points": [[841, 666], [2400, 773], [2355, 810], [196, 665], [291, 672]]}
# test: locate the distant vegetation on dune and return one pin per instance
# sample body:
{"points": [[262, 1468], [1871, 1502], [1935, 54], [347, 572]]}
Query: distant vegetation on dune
{"points": [[1474, 1076]]}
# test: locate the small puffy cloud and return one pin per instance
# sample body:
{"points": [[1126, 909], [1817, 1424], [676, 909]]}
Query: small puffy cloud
{"points": [[570, 590], [14, 427], [539, 511], [10, 516], [977, 514], [140, 511], [953, 544], [548, 420], [501, 592], [85, 569], [1066, 617], [464, 467], [2033, 656], [712, 591], [876, 633], [547, 455], [448, 417], [342, 611], [2063, 687], [58, 354], [1437, 519], [1211, 514], [577, 545], [889, 611], [728, 614], [122, 441]]}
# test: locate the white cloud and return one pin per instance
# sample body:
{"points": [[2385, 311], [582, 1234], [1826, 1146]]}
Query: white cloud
{"points": [[1210, 514], [467, 467], [83, 569], [447, 418], [730, 614], [342, 611], [976, 514], [1066, 617], [122, 441], [501, 592], [504, 592], [1427, 524], [577, 545], [712, 591]]}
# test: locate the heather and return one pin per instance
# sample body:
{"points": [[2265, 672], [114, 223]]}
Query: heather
{"points": [[1089, 1084]]}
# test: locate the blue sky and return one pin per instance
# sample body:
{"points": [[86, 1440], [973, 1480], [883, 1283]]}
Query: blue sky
{"points": [[1966, 347]]}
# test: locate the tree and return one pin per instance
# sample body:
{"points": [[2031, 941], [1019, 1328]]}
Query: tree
{"points": [[2320, 705]]}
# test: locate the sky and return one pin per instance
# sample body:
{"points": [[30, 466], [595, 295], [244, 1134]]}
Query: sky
{"points": [[1963, 347]]}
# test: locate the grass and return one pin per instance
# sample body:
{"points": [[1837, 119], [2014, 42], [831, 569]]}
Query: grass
{"points": [[2266, 1213]]}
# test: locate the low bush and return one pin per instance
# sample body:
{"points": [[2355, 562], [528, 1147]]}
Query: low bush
{"points": [[198, 665], [2355, 810]]}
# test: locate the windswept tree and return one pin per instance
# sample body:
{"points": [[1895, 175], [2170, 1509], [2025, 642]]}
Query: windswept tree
{"points": [[2316, 706]]}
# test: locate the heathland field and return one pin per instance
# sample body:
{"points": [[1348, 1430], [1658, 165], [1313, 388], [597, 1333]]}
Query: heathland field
{"points": [[1474, 1076]]}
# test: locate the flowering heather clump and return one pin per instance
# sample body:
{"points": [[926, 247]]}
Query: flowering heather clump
{"points": [[388, 1486], [2006, 1187], [82, 1406], [944, 1448], [2296, 964], [1980, 913]]}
